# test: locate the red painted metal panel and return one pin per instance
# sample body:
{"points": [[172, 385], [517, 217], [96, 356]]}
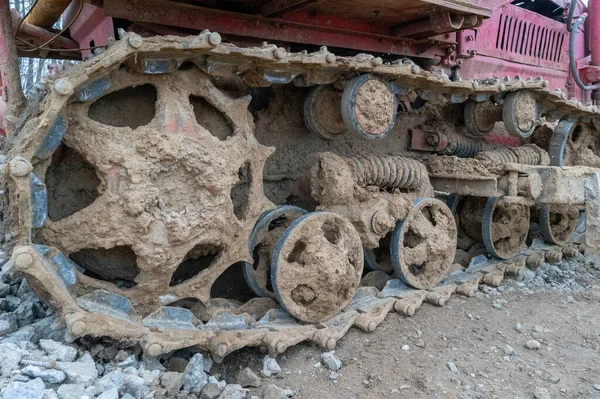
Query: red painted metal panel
{"points": [[91, 26]]}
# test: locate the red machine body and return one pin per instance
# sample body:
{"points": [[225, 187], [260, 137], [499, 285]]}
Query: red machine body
{"points": [[484, 39]]}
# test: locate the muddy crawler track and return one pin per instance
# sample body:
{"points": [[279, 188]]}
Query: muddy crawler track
{"points": [[167, 192]]}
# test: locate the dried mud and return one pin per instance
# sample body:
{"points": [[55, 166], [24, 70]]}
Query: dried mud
{"points": [[374, 107]]}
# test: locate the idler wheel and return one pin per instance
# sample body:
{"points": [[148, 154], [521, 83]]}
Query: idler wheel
{"points": [[369, 107], [504, 227], [322, 112], [558, 223], [268, 229], [520, 113], [424, 244], [317, 266]]}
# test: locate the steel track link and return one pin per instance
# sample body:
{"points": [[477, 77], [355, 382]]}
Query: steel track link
{"points": [[225, 327]]}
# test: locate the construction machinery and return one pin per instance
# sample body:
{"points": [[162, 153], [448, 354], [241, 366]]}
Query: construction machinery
{"points": [[222, 173]]}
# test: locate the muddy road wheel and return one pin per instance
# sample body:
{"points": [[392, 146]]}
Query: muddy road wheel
{"points": [[269, 228], [558, 223], [322, 112], [504, 227], [424, 244], [317, 266]]}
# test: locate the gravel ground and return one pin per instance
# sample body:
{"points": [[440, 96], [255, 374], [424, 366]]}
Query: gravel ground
{"points": [[535, 338]]}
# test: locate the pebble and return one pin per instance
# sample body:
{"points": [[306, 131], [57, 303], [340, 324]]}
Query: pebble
{"points": [[60, 352], [233, 391], [274, 392], [405, 347], [334, 375], [172, 381], [509, 351], [519, 327], [51, 376], [496, 305], [532, 344], [25, 390], [541, 393], [247, 378], [452, 367], [597, 387], [194, 377], [211, 391], [270, 367], [331, 361]]}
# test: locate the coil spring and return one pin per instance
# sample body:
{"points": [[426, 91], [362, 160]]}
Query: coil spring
{"points": [[529, 154], [388, 171], [467, 147]]}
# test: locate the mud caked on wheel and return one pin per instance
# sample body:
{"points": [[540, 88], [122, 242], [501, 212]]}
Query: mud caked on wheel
{"points": [[423, 245], [558, 222], [317, 266], [369, 107], [269, 228], [322, 112], [504, 227]]}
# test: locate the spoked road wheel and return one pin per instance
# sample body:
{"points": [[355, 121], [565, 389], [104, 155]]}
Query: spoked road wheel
{"points": [[558, 223], [504, 227], [269, 228], [424, 244], [317, 266]]}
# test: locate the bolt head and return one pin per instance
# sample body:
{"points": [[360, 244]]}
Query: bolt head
{"points": [[154, 350], [214, 38], [330, 344], [78, 328], [63, 87], [280, 347], [280, 53], [415, 69], [20, 168], [377, 61], [135, 41], [24, 261], [330, 58], [372, 326]]}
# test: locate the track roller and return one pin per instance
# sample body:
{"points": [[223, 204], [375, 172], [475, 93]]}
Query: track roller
{"points": [[504, 227], [480, 117], [369, 107], [322, 112], [519, 113], [378, 259], [558, 223], [268, 229], [317, 266], [424, 244]]}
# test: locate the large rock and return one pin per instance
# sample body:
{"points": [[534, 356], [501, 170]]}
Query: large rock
{"points": [[58, 351], [247, 378], [10, 356], [110, 394], [331, 361], [270, 367], [210, 391], [274, 392], [172, 381], [194, 377], [51, 376], [135, 386], [83, 371], [33, 389], [112, 380], [71, 391]]}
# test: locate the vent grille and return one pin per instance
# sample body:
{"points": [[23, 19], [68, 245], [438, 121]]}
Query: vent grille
{"points": [[521, 37]]}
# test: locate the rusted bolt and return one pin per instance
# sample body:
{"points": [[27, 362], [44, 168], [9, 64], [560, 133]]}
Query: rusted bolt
{"points": [[280, 53], [64, 87], [377, 61], [214, 38], [20, 168], [154, 349], [135, 41], [24, 261], [433, 140], [78, 328], [330, 58], [470, 38]]}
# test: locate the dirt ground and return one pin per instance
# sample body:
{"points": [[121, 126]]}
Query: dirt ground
{"points": [[480, 339]]}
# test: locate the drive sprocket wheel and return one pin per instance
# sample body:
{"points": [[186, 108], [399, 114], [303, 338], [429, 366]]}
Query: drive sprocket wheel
{"points": [[179, 191], [424, 244], [317, 266]]}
